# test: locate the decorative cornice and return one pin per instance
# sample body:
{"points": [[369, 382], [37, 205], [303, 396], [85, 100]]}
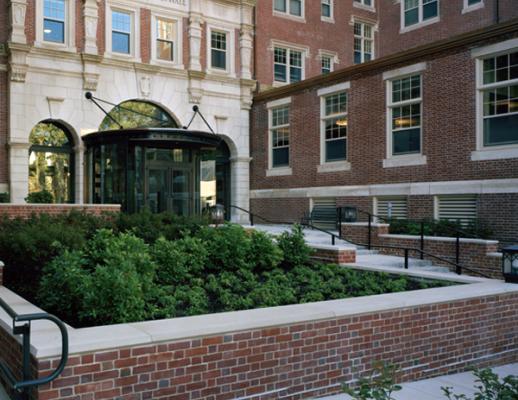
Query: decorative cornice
{"points": [[411, 55], [200, 75]]}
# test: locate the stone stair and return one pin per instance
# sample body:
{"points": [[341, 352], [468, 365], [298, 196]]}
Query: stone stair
{"points": [[364, 256]]}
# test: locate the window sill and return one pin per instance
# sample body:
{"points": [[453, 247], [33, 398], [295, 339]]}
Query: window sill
{"points": [[122, 57], [494, 154], [330, 20], [473, 7], [289, 16], [419, 25], [55, 46], [166, 64], [334, 167], [364, 7], [404, 161], [281, 171]]}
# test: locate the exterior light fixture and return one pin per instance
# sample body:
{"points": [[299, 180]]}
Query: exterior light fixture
{"points": [[350, 214], [217, 214], [510, 264]]}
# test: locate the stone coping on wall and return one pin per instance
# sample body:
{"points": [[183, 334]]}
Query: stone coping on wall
{"points": [[330, 247], [45, 339], [374, 224]]}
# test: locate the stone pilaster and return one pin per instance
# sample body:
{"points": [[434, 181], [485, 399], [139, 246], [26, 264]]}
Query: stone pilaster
{"points": [[17, 13], [90, 17]]}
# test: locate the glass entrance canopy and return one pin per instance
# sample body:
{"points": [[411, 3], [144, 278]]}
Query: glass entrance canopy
{"points": [[162, 169]]}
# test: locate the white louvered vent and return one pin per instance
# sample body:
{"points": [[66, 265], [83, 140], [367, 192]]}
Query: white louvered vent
{"points": [[392, 207], [462, 208]]}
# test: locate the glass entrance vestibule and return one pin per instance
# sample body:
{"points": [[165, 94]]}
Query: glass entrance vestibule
{"points": [[161, 169]]}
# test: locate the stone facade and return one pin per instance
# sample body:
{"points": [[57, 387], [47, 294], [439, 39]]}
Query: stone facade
{"points": [[48, 80]]}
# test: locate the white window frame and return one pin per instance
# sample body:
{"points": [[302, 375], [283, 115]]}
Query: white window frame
{"points": [[289, 48], [361, 4], [326, 58], [331, 17], [468, 8], [332, 166], [178, 41], [69, 30], [479, 54], [363, 38], [230, 51], [421, 23], [134, 53], [287, 13], [277, 171], [403, 160]]}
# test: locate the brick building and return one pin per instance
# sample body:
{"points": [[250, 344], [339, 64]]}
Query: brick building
{"points": [[429, 132]]}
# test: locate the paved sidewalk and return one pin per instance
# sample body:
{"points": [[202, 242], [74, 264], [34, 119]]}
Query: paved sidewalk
{"points": [[430, 389]]}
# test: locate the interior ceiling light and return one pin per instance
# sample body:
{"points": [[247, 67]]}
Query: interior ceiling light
{"points": [[342, 122]]}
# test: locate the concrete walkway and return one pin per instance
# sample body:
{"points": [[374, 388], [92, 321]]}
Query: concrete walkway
{"points": [[430, 389]]}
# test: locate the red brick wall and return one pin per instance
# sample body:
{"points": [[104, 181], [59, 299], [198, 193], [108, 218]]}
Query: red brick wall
{"points": [[26, 210], [313, 33], [500, 213], [3, 127], [101, 27], [30, 22], [279, 210], [145, 35], [80, 26], [452, 22], [301, 360]]}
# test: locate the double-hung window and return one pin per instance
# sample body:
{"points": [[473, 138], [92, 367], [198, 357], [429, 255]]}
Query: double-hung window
{"points": [[419, 11], [498, 87], [121, 32], [367, 3], [334, 123], [287, 65], [363, 42], [405, 115], [326, 9], [165, 39], [290, 7], [218, 52], [54, 18], [280, 136], [326, 63]]}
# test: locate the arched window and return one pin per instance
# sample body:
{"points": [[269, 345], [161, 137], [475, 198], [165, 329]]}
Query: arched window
{"points": [[137, 114], [51, 159]]}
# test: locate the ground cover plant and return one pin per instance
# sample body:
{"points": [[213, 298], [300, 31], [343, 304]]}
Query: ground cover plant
{"points": [[445, 228], [118, 277]]}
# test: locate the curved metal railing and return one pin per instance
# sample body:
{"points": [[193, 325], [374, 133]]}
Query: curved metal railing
{"points": [[22, 386]]}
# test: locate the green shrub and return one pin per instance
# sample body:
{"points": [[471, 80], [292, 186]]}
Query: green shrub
{"points": [[42, 197], [378, 386], [4, 197], [275, 289], [447, 228], [490, 387], [296, 251], [229, 290], [264, 253]]}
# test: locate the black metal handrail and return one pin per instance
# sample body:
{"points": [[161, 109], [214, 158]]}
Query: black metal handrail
{"points": [[303, 222], [22, 386], [420, 251]]}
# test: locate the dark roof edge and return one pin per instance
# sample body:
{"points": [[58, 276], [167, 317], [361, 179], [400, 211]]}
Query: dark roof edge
{"points": [[401, 57]]}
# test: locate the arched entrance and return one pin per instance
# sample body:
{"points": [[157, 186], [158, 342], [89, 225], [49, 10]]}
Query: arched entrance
{"points": [[140, 158], [51, 161]]}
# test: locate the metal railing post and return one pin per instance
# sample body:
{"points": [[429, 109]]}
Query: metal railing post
{"points": [[422, 240], [333, 240], [406, 258], [340, 222], [369, 244], [458, 268], [252, 219]]}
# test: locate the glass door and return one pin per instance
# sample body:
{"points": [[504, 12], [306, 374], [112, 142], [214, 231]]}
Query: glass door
{"points": [[158, 189], [182, 192]]}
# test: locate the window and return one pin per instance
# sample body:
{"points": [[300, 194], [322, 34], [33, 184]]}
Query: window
{"points": [[121, 32], [326, 63], [405, 115], [334, 123], [218, 53], [137, 114], [287, 65], [165, 39], [367, 3], [363, 42], [54, 14], [418, 11], [470, 3], [391, 207], [459, 208], [499, 91], [280, 136], [291, 7], [326, 8], [51, 158]]}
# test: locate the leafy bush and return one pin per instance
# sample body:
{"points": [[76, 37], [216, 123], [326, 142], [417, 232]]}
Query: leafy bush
{"points": [[476, 229], [296, 251], [378, 386], [490, 388], [42, 197], [4, 197]]}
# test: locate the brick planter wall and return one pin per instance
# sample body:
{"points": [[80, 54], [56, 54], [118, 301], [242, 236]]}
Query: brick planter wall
{"points": [[358, 232], [334, 254], [26, 210], [298, 361]]}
